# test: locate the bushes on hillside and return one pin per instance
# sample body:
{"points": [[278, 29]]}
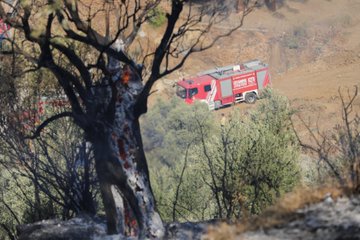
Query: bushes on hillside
{"points": [[222, 171]]}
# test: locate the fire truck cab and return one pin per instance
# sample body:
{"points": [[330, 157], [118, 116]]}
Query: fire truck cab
{"points": [[227, 85]]}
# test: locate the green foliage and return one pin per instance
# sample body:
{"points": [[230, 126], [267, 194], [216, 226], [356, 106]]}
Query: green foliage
{"points": [[157, 17], [220, 171], [168, 128], [195, 201], [7, 88], [170, 136], [11, 204], [269, 154]]}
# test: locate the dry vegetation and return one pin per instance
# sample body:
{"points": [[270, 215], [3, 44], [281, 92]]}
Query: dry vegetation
{"points": [[284, 211]]}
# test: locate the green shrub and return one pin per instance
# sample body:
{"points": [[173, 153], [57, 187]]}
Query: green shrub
{"points": [[157, 17], [205, 170]]}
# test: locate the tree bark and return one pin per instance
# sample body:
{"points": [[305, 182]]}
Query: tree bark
{"points": [[118, 165], [87, 203], [120, 160]]}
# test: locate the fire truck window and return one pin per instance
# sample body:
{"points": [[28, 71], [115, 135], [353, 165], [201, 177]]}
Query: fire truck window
{"points": [[207, 88], [193, 92]]}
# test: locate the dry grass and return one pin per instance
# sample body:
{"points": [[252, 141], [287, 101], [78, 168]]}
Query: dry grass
{"points": [[282, 212]]}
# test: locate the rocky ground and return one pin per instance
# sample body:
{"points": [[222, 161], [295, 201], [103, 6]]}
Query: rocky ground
{"points": [[327, 220], [330, 220], [86, 228]]}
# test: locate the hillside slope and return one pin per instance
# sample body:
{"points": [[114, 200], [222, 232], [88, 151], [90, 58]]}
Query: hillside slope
{"points": [[312, 48]]}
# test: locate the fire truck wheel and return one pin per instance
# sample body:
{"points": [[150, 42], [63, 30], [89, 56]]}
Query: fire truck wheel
{"points": [[250, 98]]}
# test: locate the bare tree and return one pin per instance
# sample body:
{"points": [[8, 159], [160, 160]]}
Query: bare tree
{"points": [[59, 166], [107, 93], [338, 149], [64, 173]]}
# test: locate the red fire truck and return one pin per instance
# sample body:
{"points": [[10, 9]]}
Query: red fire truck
{"points": [[227, 85]]}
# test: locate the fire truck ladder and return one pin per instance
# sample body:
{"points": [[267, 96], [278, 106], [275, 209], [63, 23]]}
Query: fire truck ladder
{"points": [[210, 98]]}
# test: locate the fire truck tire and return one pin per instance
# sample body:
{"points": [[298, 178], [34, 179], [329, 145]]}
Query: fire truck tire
{"points": [[250, 98]]}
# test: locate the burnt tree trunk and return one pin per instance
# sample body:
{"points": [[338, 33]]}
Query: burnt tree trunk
{"points": [[87, 203], [119, 157], [118, 164]]}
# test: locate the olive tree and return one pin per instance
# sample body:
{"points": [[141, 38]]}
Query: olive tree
{"points": [[253, 160], [226, 169]]}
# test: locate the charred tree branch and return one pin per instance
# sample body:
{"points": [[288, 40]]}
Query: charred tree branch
{"points": [[47, 122]]}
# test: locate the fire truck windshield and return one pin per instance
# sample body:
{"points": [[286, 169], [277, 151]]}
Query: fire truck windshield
{"points": [[181, 92]]}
